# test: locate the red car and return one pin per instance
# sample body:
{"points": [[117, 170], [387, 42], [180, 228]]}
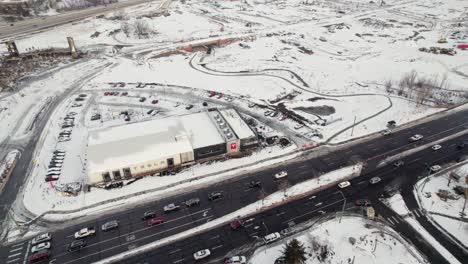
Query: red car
{"points": [[155, 101], [155, 221], [39, 256], [52, 178], [106, 93], [236, 224], [212, 94], [362, 202]]}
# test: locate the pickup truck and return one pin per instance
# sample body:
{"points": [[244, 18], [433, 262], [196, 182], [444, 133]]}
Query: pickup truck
{"points": [[85, 232]]}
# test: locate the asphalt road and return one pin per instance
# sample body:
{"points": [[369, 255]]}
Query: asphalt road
{"points": [[29, 26], [223, 240], [133, 232]]}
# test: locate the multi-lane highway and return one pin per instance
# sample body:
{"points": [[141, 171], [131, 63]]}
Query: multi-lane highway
{"points": [[8, 30], [223, 240], [133, 232]]}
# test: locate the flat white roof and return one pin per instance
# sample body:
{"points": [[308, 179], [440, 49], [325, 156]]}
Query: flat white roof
{"points": [[201, 130], [126, 145], [237, 124]]}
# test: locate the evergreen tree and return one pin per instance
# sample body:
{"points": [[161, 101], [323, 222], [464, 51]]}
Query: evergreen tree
{"points": [[294, 252]]}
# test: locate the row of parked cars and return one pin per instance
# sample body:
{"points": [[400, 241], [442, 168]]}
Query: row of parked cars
{"points": [[67, 126], [40, 249], [55, 166]]}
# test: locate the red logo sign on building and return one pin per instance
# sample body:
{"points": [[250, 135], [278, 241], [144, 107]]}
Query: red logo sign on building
{"points": [[233, 145]]}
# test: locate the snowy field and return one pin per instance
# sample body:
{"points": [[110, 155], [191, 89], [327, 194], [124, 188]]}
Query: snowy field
{"points": [[351, 240], [431, 193], [331, 63]]}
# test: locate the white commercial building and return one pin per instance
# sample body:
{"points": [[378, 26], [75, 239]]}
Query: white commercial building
{"points": [[143, 148]]}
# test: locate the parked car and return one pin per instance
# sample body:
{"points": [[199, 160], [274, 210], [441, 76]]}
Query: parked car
{"points": [[436, 147], [170, 207], [188, 107], [267, 113], [148, 215], [344, 184], [386, 132], [204, 253], [142, 99], [235, 260], [374, 180], [236, 224], [155, 101], [398, 163], [85, 232], [415, 138], [435, 168], [281, 174], [107, 226], [39, 256], [270, 238], [40, 247], [77, 245], [362, 202], [298, 126], [215, 196], [155, 221], [192, 202], [41, 238], [255, 184], [211, 94], [124, 94], [52, 178]]}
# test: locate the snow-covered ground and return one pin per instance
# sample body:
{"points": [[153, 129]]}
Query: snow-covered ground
{"points": [[346, 240], [446, 213], [397, 204]]}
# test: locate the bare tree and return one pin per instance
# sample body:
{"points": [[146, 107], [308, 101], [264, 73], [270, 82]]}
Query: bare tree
{"points": [[125, 28], [388, 85], [142, 28]]}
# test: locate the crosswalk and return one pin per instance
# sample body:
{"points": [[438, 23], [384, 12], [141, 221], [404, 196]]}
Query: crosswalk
{"points": [[394, 220], [16, 253]]}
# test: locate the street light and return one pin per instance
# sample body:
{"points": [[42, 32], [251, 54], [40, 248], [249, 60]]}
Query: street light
{"points": [[344, 205]]}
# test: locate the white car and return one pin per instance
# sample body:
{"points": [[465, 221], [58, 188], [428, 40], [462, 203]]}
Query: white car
{"points": [[236, 260], [435, 168], [436, 147], [270, 238], [298, 126], [41, 238], [386, 132], [85, 232], [374, 180], [416, 137], [39, 247], [170, 207], [281, 174], [344, 184], [201, 254]]}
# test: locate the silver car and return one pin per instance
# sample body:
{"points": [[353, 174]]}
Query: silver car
{"points": [[107, 226], [41, 238]]}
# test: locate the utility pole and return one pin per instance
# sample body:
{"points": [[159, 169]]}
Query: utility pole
{"points": [[354, 123]]}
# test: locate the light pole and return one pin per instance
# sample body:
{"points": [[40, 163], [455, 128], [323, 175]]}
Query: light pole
{"points": [[344, 205]]}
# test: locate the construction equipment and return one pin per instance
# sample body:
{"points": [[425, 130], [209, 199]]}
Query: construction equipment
{"points": [[442, 40]]}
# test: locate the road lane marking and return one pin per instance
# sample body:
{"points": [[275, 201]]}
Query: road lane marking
{"points": [[13, 260], [16, 249], [175, 251], [303, 166], [215, 237], [318, 209], [216, 247], [14, 255], [17, 245], [282, 213], [391, 222], [178, 261]]}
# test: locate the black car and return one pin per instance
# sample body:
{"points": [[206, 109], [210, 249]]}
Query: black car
{"points": [[148, 215], [462, 145], [215, 196], [399, 163], [79, 99], [77, 245], [188, 107], [255, 184]]}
